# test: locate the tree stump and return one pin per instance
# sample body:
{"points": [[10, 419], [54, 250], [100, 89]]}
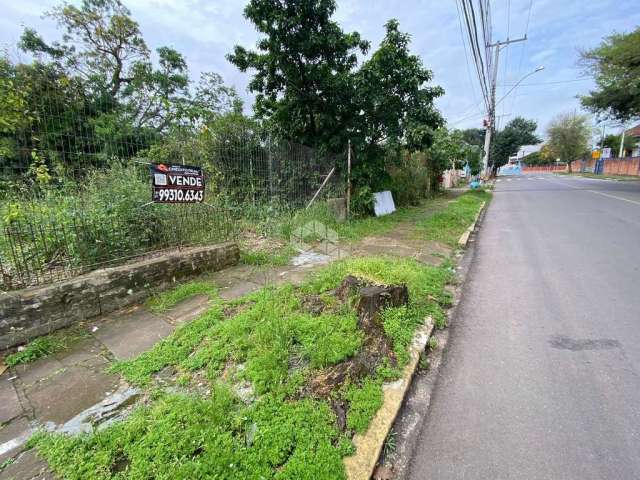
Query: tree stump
{"points": [[376, 298]]}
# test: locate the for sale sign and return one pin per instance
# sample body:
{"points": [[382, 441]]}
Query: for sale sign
{"points": [[177, 183]]}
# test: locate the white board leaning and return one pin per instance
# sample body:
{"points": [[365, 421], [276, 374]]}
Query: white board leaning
{"points": [[383, 203]]}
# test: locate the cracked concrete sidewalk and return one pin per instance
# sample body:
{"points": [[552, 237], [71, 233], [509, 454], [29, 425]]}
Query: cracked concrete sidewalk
{"points": [[51, 391], [54, 390]]}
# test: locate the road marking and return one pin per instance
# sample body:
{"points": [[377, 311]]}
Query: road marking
{"points": [[613, 196], [508, 179], [499, 180]]}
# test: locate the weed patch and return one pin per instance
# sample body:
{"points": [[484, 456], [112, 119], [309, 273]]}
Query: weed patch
{"points": [[162, 302], [44, 346]]}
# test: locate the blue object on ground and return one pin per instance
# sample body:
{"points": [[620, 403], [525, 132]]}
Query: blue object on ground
{"points": [[475, 184]]}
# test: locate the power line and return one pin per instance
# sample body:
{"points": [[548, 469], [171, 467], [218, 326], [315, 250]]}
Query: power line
{"points": [[522, 53], [466, 57], [547, 83], [471, 24]]}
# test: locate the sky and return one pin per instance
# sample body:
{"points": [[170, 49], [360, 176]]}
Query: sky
{"points": [[206, 30]]}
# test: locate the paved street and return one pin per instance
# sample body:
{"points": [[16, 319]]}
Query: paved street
{"points": [[541, 377]]}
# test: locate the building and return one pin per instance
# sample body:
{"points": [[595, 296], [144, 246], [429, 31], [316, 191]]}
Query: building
{"points": [[634, 133]]}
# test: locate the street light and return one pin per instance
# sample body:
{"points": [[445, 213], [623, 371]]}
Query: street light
{"points": [[538, 69]]}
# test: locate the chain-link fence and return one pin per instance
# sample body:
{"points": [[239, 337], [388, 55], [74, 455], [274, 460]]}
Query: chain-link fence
{"points": [[75, 190]]}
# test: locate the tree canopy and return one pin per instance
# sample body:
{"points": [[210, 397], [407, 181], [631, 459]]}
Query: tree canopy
{"points": [[96, 93], [395, 102], [507, 142], [569, 135], [615, 65], [303, 70]]}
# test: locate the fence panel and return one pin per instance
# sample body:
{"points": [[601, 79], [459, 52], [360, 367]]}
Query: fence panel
{"points": [[69, 211]]}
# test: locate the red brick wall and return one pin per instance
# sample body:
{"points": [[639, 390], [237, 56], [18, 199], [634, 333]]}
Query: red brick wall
{"points": [[612, 166]]}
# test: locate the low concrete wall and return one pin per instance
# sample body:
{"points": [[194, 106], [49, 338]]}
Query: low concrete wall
{"points": [[32, 312]]}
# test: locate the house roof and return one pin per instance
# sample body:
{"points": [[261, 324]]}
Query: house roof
{"points": [[634, 131]]}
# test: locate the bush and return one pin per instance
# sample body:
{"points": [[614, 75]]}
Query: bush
{"points": [[410, 179], [101, 219]]}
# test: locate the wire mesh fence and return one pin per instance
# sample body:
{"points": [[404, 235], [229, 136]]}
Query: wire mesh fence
{"points": [[75, 193]]}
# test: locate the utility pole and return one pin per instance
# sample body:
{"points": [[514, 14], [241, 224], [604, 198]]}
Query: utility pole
{"points": [[621, 151], [492, 100]]}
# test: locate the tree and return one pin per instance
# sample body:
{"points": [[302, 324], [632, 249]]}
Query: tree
{"points": [[395, 102], [103, 46], [507, 142], [303, 70], [96, 94], [395, 107], [613, 142], [102, 42], [569, 135], [474, 136], [615, 64]]}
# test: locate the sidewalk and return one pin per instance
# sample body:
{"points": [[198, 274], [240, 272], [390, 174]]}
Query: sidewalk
{"points": [[72, 391]]}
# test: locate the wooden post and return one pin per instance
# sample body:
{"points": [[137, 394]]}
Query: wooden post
{"points": [[349, 180]]}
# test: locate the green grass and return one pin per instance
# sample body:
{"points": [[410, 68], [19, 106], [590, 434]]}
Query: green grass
{"points": [[45, 346], [447, 226], [266, 338], [276, 258], [162, 302], [364, 402], [355, 228]]}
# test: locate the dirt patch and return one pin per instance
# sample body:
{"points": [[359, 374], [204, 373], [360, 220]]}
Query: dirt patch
{"points": [[313, 304]]}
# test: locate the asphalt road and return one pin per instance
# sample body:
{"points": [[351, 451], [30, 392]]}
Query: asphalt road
{"points": [[541, 378]]}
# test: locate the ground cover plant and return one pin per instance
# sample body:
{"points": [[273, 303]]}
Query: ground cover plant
{"points": [[162, 302], [266, 386], [44, 346]]}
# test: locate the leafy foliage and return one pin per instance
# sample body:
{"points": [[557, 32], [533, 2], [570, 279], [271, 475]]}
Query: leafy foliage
{"points": [[283, 434], [507, 142], [569, 137], [303, 80], [615, 64]]}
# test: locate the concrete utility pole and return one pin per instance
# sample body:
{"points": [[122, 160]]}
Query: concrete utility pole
{"points": [[622, 142], [492, 100]]}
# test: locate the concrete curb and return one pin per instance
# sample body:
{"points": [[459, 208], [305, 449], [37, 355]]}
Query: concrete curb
{"points": [[464, 238], [369, 445]]}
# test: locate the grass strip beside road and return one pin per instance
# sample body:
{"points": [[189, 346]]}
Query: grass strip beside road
{"points": [[447, 226]]}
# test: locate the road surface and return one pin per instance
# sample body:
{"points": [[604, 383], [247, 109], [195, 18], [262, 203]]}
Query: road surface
{"points": [[541, 379]]}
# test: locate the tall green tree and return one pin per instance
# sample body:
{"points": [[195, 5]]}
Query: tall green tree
{"points": [[303, 70], [395, 106], [394, 98], [569, 135], [507, 142], [615, 65], [96, 93]]}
